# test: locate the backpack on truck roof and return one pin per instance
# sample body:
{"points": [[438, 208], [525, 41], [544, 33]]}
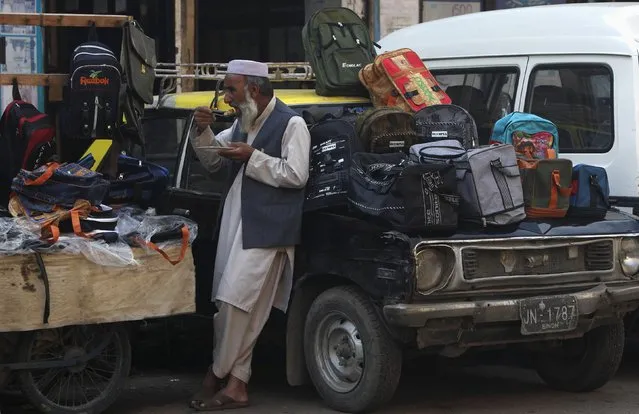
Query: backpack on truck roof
{"points": [[383, 130], [400, 79], [447, 121], [532, 136], [337, 45], [27, 141]]}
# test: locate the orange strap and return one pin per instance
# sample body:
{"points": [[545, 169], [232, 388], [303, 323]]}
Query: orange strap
{"points": [[45, 176], [185, 244], [557, 189], [77, 227], [55, 233]]}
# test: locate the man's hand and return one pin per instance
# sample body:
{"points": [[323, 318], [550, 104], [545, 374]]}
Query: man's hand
{"points": [[203, 117], [240, 152]]}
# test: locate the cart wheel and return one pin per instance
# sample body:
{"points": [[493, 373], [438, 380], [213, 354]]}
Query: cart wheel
{"points": [[89, 388]]}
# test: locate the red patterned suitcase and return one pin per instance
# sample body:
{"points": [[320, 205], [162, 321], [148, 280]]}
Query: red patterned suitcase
{"points": [[399, 78]]}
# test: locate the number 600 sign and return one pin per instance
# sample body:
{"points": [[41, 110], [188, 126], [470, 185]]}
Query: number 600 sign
{"points": [[462, 8]]}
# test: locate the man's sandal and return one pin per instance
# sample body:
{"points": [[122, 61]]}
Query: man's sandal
{"points": [[206, 393], [219, 402]]}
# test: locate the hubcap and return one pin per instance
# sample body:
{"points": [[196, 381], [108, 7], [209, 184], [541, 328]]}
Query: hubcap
{"points": [[339, 352], [75, 353]]}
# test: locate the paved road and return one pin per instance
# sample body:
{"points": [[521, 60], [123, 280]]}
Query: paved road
{"points": [[427, 387], [477, 390]]}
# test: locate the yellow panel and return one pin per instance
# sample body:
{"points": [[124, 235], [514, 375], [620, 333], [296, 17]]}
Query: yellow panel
{"points": [[98, 149], [291, 97]]}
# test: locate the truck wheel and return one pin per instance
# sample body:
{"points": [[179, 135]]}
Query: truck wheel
{"points": [[584, 364], [353, 362]]}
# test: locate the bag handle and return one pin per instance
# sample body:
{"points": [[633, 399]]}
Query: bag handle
{"points": [[52, 166], [497, 165], [556, 189], [595, 184], [16, 90], [93, 32], [185, 245], [564, 191]]}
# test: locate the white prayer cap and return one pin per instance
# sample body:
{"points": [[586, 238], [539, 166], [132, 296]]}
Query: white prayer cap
{"points": [[247, 68]]}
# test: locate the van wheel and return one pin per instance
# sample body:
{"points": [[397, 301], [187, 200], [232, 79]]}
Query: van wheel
{"points": [[584, 364], [353, 362]]}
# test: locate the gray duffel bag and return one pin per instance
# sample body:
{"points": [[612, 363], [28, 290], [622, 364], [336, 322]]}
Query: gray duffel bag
{"points": [[488, 180]]}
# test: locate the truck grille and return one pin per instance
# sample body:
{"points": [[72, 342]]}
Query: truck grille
{"points": [[487, 263]]}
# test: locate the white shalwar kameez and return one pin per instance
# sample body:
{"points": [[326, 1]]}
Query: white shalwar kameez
{"points": [[247, 283]]}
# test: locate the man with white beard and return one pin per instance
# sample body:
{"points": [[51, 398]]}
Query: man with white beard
{"points": [[261, 216]]}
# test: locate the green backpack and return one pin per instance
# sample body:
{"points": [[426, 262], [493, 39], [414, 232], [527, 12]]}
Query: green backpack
{"points": [[337, 45]]}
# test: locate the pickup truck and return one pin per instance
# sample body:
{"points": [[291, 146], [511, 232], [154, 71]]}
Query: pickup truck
{"points": [[365, 296]]}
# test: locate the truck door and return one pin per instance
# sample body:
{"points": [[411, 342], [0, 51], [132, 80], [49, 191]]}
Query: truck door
{"points": [[196, 193]]}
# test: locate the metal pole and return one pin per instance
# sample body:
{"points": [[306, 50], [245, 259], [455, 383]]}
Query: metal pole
{"points": [[178, 43]]}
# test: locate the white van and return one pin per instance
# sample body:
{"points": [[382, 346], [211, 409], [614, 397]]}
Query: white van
{"points": [[576, 65]]}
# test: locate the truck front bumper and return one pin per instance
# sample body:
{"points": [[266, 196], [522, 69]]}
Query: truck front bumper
{"points": [[599, 298]]}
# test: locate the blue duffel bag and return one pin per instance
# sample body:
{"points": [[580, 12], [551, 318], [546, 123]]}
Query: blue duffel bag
{"points": [[590, 192], [138, 182]]}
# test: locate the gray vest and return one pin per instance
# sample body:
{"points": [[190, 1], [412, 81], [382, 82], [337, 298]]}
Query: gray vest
{"points": [[271, 217]]}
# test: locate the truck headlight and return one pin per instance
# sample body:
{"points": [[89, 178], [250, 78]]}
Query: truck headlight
{"points": [[434, 264], [629, 256]]}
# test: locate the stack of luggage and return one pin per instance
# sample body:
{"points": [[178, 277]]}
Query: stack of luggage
{"points": [[78, 191], [414, 162]]}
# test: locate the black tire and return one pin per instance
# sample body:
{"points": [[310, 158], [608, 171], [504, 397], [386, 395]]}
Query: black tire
{"points": [[94, 370], [584, 364], [377, 368]]}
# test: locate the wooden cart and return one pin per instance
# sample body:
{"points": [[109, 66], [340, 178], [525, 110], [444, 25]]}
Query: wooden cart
{"points": [[63, 336]]}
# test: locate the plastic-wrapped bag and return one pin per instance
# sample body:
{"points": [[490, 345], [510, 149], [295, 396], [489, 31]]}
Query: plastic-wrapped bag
{"points": [[18, 235], [118, 254], [146, 229]]}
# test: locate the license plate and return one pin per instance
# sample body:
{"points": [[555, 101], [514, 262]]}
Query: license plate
{"points": [[548, 314]]}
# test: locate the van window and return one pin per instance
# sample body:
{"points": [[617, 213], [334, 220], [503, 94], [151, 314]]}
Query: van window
{"points": [[578, 99], [487, 94]]}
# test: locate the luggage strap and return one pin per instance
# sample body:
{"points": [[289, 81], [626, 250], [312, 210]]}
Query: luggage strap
{"points": [[556, 189], [185, 243], [499, 174], [45, 281], [595, 184], [341, 26], [46, 175]]}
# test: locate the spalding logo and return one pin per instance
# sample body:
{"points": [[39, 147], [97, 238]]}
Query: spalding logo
{"points": [[93, 79]]}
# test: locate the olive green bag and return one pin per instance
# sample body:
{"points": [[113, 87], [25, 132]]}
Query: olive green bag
{"points": [[546, 185], [338, 45]]}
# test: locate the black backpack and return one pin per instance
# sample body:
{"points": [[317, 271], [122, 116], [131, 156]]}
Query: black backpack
{"points": [[332, 143], [92, 98], [447, 121], [337, 45], [383, 130]]}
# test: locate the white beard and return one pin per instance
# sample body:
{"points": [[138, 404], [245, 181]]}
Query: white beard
{"points": [[248, 113]]}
